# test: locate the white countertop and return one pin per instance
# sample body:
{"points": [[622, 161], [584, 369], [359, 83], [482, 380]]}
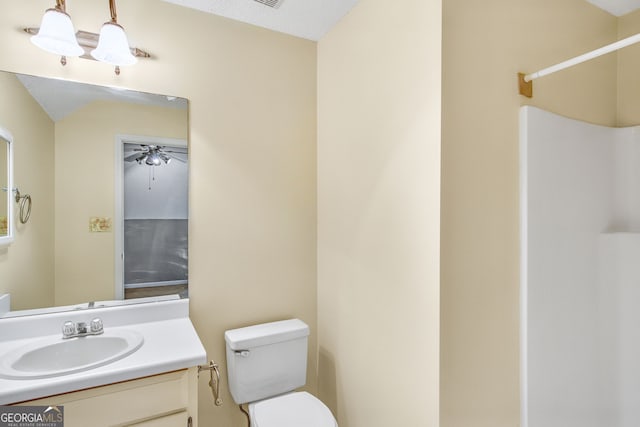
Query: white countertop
{"points": [[170, 343]]}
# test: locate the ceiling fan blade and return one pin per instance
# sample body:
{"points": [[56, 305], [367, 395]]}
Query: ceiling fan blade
{"points": [[132, 157], [175, 157]]}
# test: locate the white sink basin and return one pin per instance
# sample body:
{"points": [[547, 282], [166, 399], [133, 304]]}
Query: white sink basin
{"points": [[55, 356]]}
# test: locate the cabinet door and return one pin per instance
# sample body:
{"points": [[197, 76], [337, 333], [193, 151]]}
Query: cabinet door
{"points": [[174, 420], [159, 401]]}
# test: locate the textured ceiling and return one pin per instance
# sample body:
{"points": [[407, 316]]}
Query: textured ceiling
{"points": [[309, 19], [617, 7], [312, 19]]}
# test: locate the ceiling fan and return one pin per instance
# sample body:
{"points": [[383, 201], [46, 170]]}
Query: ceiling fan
{"points": [[154, 155]]}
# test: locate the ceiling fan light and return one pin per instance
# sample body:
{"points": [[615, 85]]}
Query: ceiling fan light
{"points": [[57, 35], [153, 159], [113, 46]]}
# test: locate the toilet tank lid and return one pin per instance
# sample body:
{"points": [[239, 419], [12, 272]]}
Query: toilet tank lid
{"points": [[266, 333]]}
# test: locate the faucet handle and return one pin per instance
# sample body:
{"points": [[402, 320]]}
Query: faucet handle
{"points": [[68, 329], [96, 326]]}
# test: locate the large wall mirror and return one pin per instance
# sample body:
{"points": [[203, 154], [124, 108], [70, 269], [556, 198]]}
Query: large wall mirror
{"points": [[106, 170]]}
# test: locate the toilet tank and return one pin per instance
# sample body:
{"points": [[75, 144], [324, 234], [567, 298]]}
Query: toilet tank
{"points": [[266, 360]]}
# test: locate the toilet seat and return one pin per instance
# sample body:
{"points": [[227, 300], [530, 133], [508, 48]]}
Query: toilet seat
{"points": [[291, 410]]}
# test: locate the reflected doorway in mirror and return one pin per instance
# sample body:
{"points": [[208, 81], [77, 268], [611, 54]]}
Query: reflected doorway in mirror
{"points": [[152, 222]]}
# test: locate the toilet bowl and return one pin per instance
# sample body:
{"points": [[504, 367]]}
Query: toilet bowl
{"points": [[291, 410], [266, 363]]}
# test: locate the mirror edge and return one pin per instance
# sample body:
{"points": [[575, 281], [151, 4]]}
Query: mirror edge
{"points": [[8, 239]]}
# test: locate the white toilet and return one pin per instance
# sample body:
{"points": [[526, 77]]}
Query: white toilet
{"points": [[265, 364]]}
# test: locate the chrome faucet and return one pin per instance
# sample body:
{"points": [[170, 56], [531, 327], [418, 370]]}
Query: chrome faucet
{"points": [[81, 329]]}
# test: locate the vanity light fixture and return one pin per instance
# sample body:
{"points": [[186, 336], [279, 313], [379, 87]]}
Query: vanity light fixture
{"points": [[56, 33], [111, 46]]}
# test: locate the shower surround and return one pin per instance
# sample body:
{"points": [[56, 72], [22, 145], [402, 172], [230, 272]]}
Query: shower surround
{"points": [[580, 272]]}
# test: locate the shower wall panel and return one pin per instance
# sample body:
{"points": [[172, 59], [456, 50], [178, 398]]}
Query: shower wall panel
{"points": [[620, 298], [627, 180], [576, 184]]}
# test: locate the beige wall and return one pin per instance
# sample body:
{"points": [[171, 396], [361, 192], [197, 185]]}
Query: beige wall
{"points": [[84, 177], [252, 138], [33, 134], [484, 45], [378, 214]]}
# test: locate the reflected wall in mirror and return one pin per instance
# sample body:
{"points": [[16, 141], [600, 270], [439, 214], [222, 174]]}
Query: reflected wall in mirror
{"points": [[66, 161]]}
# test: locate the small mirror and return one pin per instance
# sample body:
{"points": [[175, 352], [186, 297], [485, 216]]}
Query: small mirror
{"points": [[6, 184]]}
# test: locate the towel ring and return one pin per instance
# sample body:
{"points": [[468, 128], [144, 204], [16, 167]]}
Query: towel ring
{"points": [[24, 203]]}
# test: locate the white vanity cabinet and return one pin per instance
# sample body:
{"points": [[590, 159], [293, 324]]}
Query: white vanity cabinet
{"points": [[165, 400]]}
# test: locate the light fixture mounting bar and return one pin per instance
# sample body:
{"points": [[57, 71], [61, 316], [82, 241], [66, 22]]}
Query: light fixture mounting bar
{"points": [[89, 41]]}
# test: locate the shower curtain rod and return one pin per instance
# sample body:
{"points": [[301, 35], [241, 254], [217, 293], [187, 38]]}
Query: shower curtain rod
{"points": [[525, 82]]}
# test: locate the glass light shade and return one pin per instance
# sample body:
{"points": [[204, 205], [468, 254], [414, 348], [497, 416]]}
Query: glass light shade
{"points": [[56, 34], [153, 160], [113, 46]]}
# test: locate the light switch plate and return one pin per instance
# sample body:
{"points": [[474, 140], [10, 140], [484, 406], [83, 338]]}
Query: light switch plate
{"points": [[99, 224]]}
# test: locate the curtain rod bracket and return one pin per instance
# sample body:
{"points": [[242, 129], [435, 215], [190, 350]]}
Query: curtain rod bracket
{"points": [[525, 88]]}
